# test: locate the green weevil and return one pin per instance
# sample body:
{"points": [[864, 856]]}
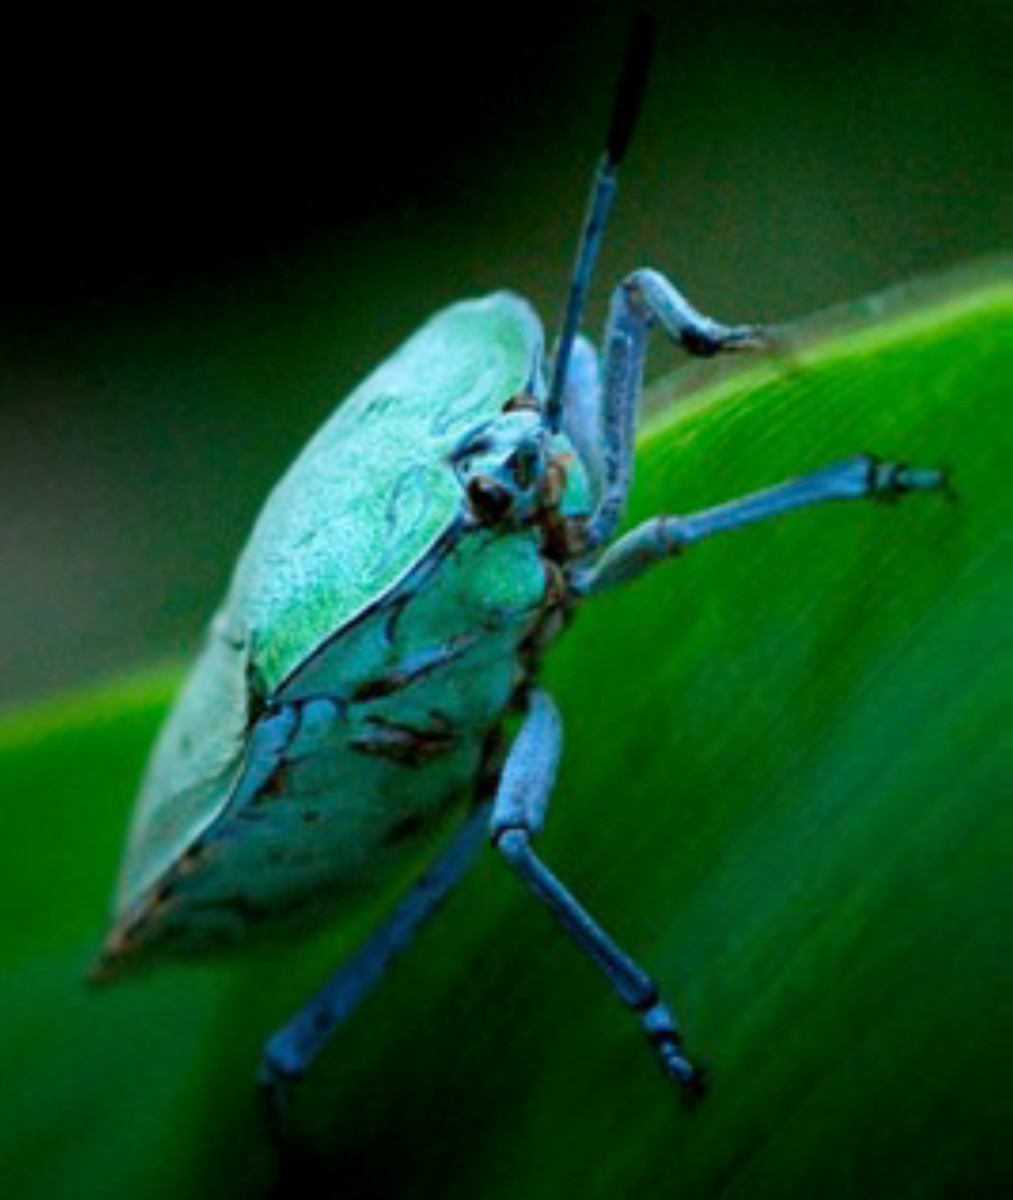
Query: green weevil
{"points": [[391, 610]]}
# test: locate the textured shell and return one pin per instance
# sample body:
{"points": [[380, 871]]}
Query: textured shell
{"points": [[362, 504]]}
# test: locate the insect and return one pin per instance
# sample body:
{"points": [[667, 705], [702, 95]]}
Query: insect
{"points": [[389, 612]]}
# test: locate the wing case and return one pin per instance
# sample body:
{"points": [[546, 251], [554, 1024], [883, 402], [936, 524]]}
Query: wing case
{"points": [[365, 500], [373, 490]]}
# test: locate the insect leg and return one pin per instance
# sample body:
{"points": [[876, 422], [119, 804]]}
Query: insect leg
{"points": [[291, 1049], [582, 408], [853, 479], [643, 297], [518, 814]]}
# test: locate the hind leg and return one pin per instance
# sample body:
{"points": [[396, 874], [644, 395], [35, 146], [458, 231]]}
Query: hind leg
{"points": [[289, 1052]]}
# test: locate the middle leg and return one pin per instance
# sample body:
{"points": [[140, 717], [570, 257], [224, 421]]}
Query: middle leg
{"points": [[853, 479]]}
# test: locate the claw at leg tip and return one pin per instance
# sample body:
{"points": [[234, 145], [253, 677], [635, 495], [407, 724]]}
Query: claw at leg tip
{"points": [[758, 337], [924, 479], [694, 1088], [692, 1079]]}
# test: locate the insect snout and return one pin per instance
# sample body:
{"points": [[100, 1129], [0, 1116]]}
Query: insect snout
{"points": [[502, 468]]}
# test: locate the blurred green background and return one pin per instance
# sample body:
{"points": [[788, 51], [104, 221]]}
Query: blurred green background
{"points": [[213, 229], [791, 807]]}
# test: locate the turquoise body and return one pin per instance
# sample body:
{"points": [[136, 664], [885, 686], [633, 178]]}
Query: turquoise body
{"points": [[390, 630]]}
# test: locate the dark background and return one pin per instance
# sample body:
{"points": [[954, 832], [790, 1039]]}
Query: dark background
{"points": [[213, 227]]}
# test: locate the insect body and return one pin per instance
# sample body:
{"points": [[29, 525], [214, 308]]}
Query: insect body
{"points": [[381, 620], [390, 610]]}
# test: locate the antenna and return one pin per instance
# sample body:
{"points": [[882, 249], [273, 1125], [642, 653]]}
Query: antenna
{"points": [[629, 96]]}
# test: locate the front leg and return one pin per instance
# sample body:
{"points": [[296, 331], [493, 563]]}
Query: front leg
{"points": [[518, 814], [853, 479], [643, 298]]}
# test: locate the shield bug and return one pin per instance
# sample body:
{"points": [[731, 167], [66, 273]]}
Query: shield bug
{"points": [[392, 608]]}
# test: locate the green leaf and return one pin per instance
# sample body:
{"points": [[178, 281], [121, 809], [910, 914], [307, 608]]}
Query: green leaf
{"points": [[781, 791]]}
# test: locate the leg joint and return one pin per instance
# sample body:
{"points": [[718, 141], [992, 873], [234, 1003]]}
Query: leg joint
{"points": [[888, 481], [513, 842], [280, 1062], [649, 998]]}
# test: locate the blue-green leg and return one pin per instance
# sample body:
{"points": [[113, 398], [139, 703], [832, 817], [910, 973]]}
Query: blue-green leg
{"points": [[518, 815], [582, 421], [289, 1051], [853, 479], [643, 298]]}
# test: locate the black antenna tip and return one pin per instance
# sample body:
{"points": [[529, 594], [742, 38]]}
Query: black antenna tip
{"points": [[632, 84]]}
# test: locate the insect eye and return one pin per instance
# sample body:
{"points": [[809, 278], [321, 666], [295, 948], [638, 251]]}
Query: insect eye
{"points": [[490, 500], [524, 465]]}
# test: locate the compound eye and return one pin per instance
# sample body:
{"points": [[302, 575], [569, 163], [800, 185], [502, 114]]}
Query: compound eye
{"points": [[524, 465], [490, 501]]}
